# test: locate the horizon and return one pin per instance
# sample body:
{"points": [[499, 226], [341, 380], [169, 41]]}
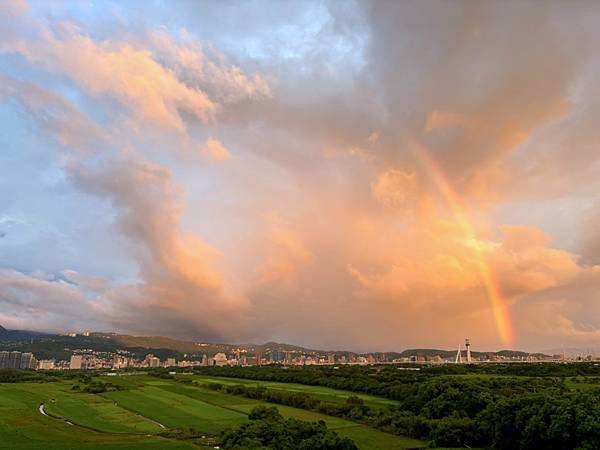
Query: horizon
{"points": [[342, 174], [590, 350]]}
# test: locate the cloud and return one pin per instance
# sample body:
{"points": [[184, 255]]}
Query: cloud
{"points": [[124, 72], [215, 150], [30, 301], [284, 253], [53, 113], [144, 77], [589, 240], [14, 8], [179, 288], [149, 214], [395, 189], [327, 228], [224, 81]]}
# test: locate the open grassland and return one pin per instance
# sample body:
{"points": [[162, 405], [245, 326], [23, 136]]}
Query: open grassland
{"points": [[131, 417], [583, 383], [178, 404], [97, 412], [22, 426], [320, 392], [365, 437], [176, 410]]}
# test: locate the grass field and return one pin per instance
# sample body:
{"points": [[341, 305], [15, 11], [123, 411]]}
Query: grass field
{"points": [[130, 418], [320, 392], [22, 426]]}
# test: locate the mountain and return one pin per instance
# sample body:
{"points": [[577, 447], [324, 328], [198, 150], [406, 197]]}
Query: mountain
{"points": [[430, 352], [61, 346], [151, 342], [18, 335]]}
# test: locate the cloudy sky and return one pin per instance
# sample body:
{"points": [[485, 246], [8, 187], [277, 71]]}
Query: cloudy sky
{"points": [[358, 175]]}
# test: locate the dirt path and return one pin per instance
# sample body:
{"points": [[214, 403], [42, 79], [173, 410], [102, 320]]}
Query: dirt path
{"points": [[42, 411]]}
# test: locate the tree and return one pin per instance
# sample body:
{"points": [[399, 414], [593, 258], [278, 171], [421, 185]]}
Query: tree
{"points": [[267, 429]]}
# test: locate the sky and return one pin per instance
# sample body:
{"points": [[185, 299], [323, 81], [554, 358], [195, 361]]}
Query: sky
{"points": [[371, 175]]}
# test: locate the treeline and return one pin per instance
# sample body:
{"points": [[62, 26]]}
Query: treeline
{"points": [[90, 385], [383, 380], [354, 407], [45, 376], [12, 376], [501, 413], [268, 429], [496, 413]]}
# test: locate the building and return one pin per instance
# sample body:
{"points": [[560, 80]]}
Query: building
{"points": [[120, 362], [220, 359], [171, 362], [17, 360], [291, 358], [14, 360], [151, 361], [75, 363], [28, 361], [46, 364], [4, 360]]}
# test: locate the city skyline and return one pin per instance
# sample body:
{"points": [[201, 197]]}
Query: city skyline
{"points": [[363, 175], [93, 350]]}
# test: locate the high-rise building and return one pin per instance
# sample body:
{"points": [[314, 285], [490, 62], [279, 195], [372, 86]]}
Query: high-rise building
{"points": [[4, 359], [17, 360], [28, 361], [76, 361], [14, 360]]}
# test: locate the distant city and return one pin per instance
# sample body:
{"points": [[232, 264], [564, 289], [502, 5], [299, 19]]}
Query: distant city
{"points": [[244, 355]]}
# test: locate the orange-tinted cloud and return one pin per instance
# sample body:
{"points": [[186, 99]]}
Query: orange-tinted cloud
{"points": [[366, 244], [215, 150]]}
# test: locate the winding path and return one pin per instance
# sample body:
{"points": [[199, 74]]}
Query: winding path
{"points": [[42, 410], [153, 421], [140, 415]]}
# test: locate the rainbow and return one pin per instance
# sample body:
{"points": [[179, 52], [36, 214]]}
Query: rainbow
{"points": [[497, 301]]}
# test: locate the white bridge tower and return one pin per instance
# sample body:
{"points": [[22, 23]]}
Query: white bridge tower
{"points": [[468, 345], [459, 359]]}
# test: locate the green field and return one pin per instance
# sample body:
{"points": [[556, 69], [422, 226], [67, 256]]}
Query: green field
{"points": [[322, 393], [131, 418], [22, 426]]}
